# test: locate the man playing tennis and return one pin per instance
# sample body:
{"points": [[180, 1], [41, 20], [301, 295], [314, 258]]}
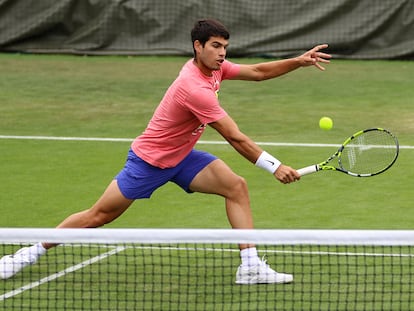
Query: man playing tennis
{"points": [[164, 152]]}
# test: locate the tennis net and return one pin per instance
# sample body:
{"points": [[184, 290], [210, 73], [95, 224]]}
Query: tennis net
{"points": [[195, 269]]}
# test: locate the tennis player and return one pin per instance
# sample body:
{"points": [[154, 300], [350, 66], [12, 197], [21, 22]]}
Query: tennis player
{"points": [[165, 151]]}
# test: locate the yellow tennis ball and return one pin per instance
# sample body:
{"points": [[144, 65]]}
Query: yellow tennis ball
{"points": [[325, 123]]}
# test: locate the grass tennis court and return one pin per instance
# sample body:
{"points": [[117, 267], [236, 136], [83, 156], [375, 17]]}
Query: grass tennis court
{"points": [[115, 96], [43, 181]]}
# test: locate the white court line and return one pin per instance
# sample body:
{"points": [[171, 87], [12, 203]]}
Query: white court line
{"points": [[66, 138], [316, 253], [201, 142], [271, 251], [61, 273]]}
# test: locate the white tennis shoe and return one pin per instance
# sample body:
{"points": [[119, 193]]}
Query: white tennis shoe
{"points": [[261, 274], [12, 264]]}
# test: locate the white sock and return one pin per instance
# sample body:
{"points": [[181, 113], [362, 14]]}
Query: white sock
{"points": [[249, 257]]}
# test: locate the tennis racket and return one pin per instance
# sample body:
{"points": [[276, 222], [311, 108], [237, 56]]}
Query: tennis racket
{"points": [[364, 154]]}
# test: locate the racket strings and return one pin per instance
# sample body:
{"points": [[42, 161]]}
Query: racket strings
{"points": [[369, 153]]}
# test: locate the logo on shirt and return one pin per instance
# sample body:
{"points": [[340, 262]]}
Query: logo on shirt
{"points": [[199, 130], [216, 87]]}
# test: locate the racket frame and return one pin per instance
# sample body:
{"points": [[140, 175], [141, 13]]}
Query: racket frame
{"points": [[322, 166]]}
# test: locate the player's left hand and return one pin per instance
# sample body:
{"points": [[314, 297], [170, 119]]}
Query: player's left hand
{"points": [[313, 57]]}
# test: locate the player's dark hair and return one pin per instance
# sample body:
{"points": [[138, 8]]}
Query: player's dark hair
{"points": [[206, 28]]}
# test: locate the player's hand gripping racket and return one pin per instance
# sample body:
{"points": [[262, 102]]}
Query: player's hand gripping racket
{"points": [[364, 154]]}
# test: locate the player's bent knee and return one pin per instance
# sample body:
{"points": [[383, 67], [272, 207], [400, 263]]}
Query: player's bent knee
{"points": [[238, 186]]}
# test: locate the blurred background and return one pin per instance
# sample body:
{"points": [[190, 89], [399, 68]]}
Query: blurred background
{"points": [[357, 29]]}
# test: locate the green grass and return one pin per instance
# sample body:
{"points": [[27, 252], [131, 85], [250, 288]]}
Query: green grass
{"points": [[115, 97], [43, 181]]}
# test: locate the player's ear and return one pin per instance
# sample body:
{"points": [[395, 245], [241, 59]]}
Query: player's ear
{"points": [[197, 46]]}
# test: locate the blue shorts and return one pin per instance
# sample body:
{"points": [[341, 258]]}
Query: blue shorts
{"points": [[139, 180]]}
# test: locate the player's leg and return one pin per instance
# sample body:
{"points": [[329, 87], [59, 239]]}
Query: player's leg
{"points": [[137, 180], [110, 206], [218, 178]]}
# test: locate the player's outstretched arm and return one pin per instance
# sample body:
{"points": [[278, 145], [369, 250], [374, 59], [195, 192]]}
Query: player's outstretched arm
{"points": [[239, 141], [252, 152], [269, 70]]}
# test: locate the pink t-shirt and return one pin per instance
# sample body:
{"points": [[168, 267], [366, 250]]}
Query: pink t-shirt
{"points": [[190, 103]]}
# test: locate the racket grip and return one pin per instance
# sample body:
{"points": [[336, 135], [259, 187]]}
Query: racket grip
{"points": [[307, 170]]}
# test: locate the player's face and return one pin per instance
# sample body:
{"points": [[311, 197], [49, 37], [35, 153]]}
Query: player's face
{"points": [[211, 55]]}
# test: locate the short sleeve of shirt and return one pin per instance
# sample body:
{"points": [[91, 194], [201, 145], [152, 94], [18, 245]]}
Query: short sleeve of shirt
{"points": [[229, 70]]}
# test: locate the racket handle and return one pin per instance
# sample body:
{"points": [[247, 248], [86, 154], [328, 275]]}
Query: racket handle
{"points": [[307, 170]]}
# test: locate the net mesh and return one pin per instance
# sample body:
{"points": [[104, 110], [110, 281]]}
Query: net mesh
{"points": [[371, 152], [365, 272]]}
